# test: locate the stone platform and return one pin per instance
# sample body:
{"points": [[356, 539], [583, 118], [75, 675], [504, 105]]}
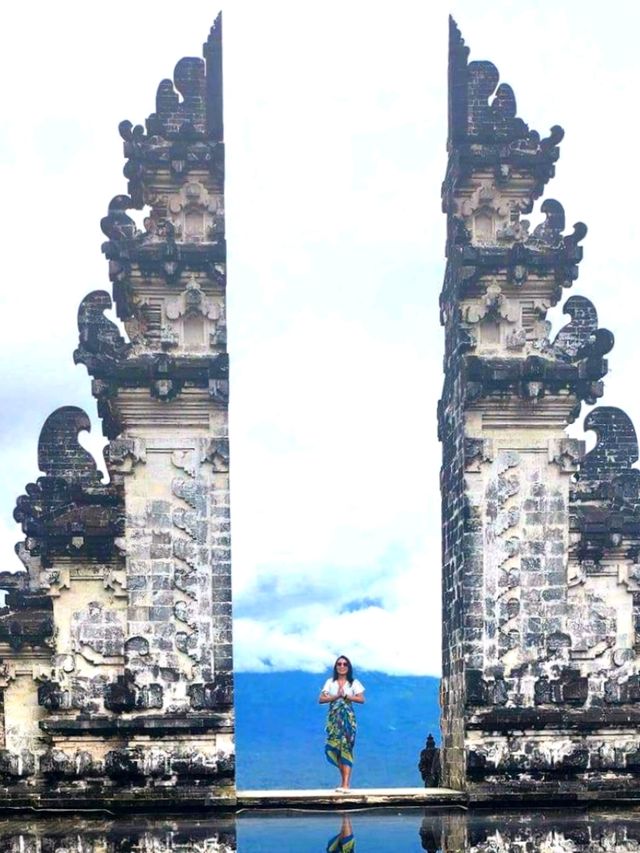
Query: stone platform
{"points": [[323, 798]]}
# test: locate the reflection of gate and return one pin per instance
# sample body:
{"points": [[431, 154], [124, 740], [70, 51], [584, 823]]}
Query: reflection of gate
{"points": [[541, 541]]}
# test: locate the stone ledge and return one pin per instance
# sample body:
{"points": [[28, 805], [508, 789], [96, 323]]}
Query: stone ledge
{"points": [[97, 798], [508, 720], [155, 726], [319, 798]]}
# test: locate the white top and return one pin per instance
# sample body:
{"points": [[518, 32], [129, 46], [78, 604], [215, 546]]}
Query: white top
{"points": [[331, 687]]}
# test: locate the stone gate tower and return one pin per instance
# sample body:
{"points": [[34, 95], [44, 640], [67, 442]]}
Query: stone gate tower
{"points": [[541, 542], [116, 641]]}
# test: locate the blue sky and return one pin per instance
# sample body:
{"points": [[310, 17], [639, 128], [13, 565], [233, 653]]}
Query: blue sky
{"points": [[335, 120]]}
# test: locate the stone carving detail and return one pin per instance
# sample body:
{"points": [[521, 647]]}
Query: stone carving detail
{"points": [[68, 509], [487, 216], [192, 305], [502, 547], [498, 116], [97, 632], [484, 113], [606, 502], [59, 452], [197, 217], [182, 134], [493, 305], [187, 113], [189, 537], [566, 453], [117, 225], [99, 336], [591, 624], [69, 516], [214, 451], [549, 233], [616, 446], [122, 454], [192, 301], [477, 451], [581, 338]]}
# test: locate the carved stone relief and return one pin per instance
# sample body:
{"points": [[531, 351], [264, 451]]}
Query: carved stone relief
{"points": [[197, 215], [497, 319], [491, 217], [196, 321], [177, 559]]}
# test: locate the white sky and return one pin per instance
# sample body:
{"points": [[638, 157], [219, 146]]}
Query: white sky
{"points": [[335, 118]]}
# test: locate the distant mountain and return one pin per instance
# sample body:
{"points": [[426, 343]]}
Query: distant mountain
{"points": [[280, 730]]}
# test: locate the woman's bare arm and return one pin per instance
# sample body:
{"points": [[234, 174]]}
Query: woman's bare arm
{"points": [[326, 697], [357, 697]]}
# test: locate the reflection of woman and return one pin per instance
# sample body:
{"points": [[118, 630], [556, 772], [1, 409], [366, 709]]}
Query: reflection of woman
{"points": [[343, 842], [341, 692]]}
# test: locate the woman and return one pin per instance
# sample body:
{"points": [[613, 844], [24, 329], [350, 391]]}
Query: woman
{"points": [[341, 692]]}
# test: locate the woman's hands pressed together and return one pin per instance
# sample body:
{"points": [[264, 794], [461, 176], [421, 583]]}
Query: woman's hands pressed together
{"points": [[341, 691]]}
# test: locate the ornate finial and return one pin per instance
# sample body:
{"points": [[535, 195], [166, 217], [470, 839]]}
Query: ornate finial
{"points": [[481, 110], [190, 105], [99, 336], [117, 225], [68, 511], [616, 448], [549, 232], [60, 454], [186, 116], [581, 338], [185, 132]]}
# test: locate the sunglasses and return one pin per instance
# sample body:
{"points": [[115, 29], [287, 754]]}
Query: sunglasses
{"points": [[342, 663]]}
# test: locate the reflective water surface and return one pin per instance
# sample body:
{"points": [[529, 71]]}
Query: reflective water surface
{"points": [[367, 831], [547, 831], [70, 834]]}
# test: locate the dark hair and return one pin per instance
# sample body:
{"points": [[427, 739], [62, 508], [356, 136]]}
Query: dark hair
{"points": [[349, 669]]}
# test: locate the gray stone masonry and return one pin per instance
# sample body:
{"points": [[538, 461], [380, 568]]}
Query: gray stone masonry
{"points": [[540, 541], [116, 667]]}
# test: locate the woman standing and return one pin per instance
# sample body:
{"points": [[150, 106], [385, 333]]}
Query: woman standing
{"points": [[341, 692]]}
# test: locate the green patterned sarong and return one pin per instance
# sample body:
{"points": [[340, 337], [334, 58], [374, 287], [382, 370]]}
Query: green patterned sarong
{"points": [[341, 733], [342, 844]]}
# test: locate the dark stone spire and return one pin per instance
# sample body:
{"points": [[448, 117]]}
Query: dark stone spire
{"points": [[458, 56], [212, 52], [176, 167], [473, 112], [199, 83], [186, 130], [484, 128]]}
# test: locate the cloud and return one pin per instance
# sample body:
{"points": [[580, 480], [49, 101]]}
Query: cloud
{"points": [[360, 604], [393, 631]]}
